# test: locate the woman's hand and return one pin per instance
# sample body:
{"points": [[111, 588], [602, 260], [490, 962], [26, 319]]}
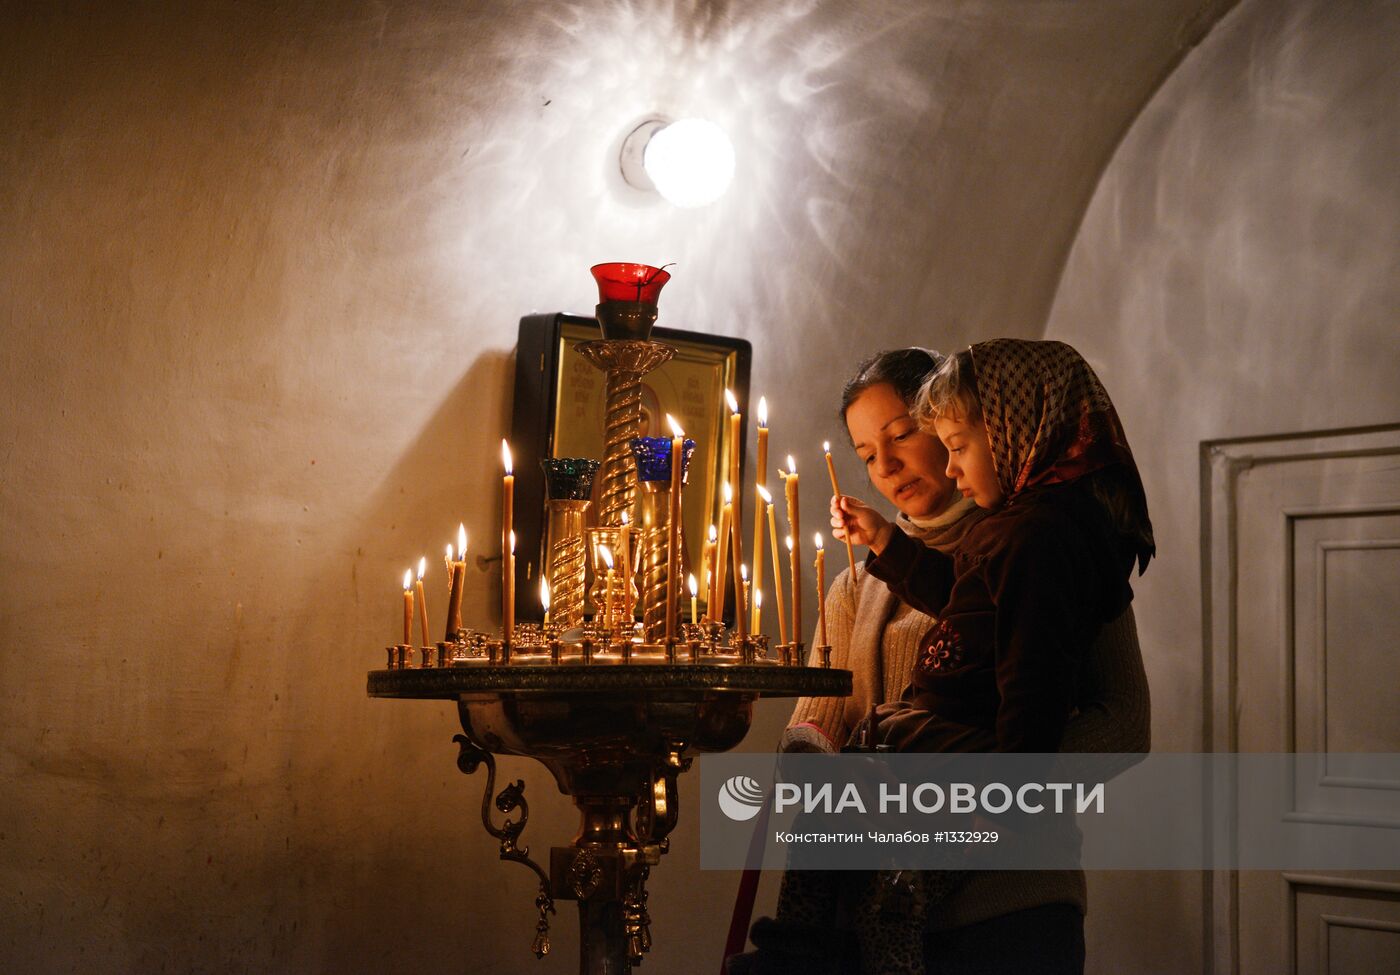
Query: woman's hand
{"points": [[862, 523]]}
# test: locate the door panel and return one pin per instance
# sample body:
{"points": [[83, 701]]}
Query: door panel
{"points": [[1302, 583]]}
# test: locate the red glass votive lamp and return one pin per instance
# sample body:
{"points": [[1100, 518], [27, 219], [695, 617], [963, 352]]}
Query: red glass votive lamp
{"points": [[627, 296]]}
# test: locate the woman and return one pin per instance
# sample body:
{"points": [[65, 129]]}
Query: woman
{"points": [[1015, 921]]}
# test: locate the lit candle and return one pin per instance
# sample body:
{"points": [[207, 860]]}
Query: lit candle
{"points": [[507, 546], [777, 566], [836, 490], [422, 601], [673, 527], [718, 597], [408, 607], [736, 517], [744, 578], [694, 591], [624, 537], [606, 555], [544, 599], [792, 565], [761, 482], [707, 566], [794, 549], [458, 571], [735, 421], [821, 590]]}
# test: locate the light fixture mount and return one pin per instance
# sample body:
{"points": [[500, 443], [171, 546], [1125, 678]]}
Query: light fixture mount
{"points": [[634, 148]]}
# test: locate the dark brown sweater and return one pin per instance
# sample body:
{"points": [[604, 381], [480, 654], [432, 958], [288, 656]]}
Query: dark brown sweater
{"points": [[1018, 607]]}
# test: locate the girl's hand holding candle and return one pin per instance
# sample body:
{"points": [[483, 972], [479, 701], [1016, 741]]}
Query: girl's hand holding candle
{"points": [[855, 521]]}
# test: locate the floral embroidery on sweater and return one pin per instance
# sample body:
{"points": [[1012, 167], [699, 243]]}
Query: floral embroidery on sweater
{"points": [[942, 649]]}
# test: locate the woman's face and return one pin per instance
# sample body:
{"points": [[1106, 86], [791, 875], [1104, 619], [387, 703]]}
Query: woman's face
{"points": [[904, 463], [970, 460]]}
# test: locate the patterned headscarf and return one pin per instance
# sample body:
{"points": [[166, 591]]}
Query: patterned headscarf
{"points": [[1049, 421]]}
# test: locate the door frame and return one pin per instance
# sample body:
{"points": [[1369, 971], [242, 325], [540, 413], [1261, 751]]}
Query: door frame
{"points": [[1222, 463]]}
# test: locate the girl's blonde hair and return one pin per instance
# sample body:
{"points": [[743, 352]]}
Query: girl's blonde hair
{"points": [[951, 391]]}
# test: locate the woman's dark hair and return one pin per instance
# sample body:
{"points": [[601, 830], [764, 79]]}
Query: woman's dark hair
{"points": [[903, 369]]}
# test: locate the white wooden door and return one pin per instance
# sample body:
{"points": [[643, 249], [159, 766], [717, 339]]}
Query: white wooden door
{"points": [[1302, 600]]}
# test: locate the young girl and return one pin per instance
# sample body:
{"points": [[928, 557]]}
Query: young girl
{"points": [[1033, 437]]}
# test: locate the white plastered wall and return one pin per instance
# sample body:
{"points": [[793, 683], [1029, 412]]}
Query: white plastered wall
{"points": [[1237, 274]]}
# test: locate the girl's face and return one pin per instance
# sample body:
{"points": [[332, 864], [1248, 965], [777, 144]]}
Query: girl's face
{"points": [[903, 463], [970, 460]]}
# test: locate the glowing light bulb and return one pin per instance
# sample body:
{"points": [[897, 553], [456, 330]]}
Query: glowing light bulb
{"points": [[690, 161]]}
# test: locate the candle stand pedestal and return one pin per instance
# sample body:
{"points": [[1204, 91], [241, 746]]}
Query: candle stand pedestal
{"points": [[616, 738]]}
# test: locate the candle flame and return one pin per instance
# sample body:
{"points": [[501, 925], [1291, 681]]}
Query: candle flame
{"points": [[763, 411], [732, 400], [818, 537], [789, 543], [407, 579], [605, 554], [826, 446], [448, 554], [512, 541], [728, 494], [505, 456], [544, 593], [743, 572], [714, 533], [693, 585], [758, 598], [626, 519], [422, 567], [461, 540], [792, 465], [676, 430], [763, 493]]}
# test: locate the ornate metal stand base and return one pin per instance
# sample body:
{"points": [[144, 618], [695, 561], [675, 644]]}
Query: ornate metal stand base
{"points": [[616, 739]]}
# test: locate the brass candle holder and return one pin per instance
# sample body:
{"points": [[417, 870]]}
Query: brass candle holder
{"points": [[569, 482], [615, 719], [653, 462]]}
